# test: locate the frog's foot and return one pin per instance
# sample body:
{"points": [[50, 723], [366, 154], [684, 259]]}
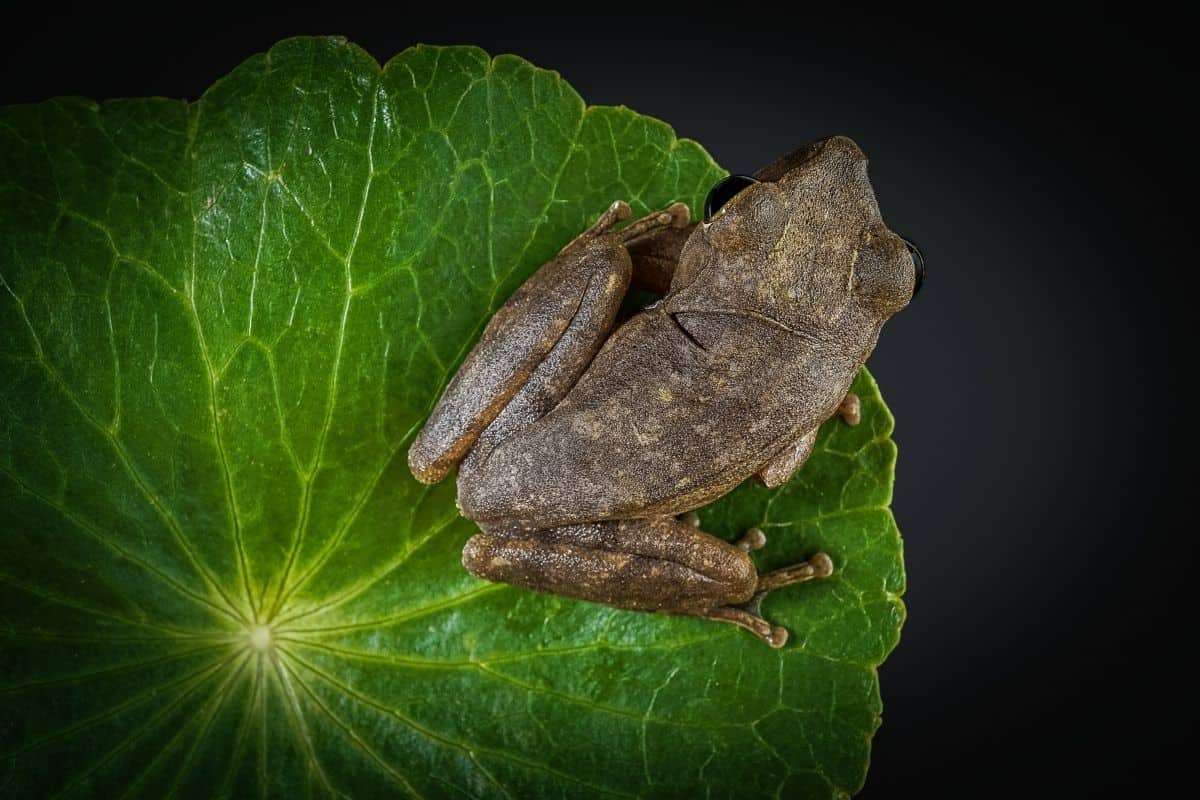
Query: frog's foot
{"points": [[749, 615], [850, 409], [675, 215], [617, 211]]}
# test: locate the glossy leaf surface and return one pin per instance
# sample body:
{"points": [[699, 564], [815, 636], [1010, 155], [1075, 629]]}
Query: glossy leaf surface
{"points": [[220, 326]]}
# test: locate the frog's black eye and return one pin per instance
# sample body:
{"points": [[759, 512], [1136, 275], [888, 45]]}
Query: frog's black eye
{"points": [[723, 192], [918, 264]]}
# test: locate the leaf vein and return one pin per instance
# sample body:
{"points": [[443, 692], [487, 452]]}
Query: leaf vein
{"points": [[327, 423], [441, 738], [88, 529]]}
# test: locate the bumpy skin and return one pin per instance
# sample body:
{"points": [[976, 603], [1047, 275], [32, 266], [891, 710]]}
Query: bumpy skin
{"points": [[772, 307], [652, 564]]}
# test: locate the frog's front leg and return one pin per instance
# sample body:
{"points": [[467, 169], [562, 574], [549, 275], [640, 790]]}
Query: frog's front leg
{"points": [[652, 564], [784, 464]]}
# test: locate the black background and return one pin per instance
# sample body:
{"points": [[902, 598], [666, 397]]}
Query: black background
{"points": [[1038, 162]]}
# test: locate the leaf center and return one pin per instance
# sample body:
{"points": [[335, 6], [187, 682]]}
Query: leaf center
{"points": [[260, 638]]}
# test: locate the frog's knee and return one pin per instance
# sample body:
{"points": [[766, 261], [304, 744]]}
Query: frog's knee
{"points": [[480, 559], [480, 500]]}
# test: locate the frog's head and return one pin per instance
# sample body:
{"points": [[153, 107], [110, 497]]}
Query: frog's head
{"points": [[811, 221]]}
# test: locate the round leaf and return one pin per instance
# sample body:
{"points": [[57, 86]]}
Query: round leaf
{"points": [[221, 324]]}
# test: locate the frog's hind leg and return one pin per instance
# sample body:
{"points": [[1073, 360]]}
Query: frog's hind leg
{"points": [[654, 242], [655, 258], [561, 367], [574, 297], [650, 564], [653, 564]]}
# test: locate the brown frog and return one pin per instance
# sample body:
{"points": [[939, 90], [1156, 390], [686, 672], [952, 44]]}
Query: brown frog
{"points": [[578, 446]]}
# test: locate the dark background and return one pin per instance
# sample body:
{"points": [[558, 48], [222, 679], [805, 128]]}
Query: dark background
{"points": [[1038, 162]]}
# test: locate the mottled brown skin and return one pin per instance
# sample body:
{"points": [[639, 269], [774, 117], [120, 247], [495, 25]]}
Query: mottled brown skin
{"points": [[577, 446]]}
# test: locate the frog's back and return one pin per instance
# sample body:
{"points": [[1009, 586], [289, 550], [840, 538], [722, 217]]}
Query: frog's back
{"points": [[776, 301], [675, 411]]}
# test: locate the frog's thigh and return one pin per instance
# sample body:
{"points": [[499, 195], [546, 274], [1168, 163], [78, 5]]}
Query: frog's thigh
{"points": [[784, 464], [653, 564]]}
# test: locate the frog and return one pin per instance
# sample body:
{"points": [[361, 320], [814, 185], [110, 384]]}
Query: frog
{"points": [[584, 447]]}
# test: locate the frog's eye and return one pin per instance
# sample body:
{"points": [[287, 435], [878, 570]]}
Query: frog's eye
{"points": [[724, 191], [918, 264]]}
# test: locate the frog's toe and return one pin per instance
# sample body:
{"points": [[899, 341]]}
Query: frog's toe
{"points": [[775, 636], [752, 539], [819, 565], [850, 409]]}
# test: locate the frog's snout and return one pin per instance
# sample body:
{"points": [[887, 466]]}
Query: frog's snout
{"points": [[918, 264]]}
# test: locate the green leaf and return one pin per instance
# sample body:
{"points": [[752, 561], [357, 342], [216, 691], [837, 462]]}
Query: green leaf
{"points": [[221, 324]]}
